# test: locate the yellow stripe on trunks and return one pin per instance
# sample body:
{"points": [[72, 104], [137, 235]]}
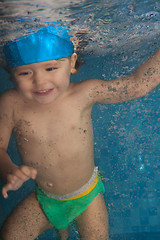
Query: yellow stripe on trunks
{"points": [[79, 195]]}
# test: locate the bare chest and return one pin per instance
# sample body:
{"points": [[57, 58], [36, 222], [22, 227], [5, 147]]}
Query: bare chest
{"points": [[58, 128]]}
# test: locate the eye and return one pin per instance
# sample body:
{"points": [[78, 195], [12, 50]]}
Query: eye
{"points": [[50, 69], [23, 73]]}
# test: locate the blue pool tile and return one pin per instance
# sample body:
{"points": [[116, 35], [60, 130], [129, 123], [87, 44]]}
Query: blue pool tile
{"points": [[158, 227], [134, 203], [152, 202], [153, 220], [153, 228], [135, 221], [127, 229], [145, 229], [157, 185], [135, 194], [158, 194], [158, 202], [127, 213], [117, 214], [117, 196], [136, 228], [153, 211], [143, 212], [144, 220], [134, 212], [152, 194], [127, 222]]}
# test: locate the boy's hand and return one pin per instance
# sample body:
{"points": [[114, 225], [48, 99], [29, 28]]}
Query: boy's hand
{"points": [[17, 178]]}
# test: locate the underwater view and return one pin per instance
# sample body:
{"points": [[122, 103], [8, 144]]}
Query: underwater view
{"points": [[112, 38]]}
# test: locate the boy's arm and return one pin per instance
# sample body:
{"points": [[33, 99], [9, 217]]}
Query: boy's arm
{"points": [[135, 85], [6, 126], [6, 165], [13, 176]]}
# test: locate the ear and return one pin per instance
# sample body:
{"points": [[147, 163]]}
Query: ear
{"points": [[73, 63]]}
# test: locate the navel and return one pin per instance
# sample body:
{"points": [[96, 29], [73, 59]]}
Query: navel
{"points": [[49, 184]]}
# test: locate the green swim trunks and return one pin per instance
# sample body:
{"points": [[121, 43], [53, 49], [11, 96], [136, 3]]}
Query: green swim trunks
{"points": [[62, 212]]}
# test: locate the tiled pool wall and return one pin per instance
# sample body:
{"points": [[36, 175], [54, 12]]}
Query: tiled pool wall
{"points": [[126, 151], [129, 162]]}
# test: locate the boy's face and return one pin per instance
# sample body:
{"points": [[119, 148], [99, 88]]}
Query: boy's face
{"points": [[44, 82]]}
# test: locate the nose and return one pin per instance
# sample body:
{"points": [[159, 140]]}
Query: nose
{"points": [[38, 78]]}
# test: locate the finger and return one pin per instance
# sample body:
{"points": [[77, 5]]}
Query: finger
{"points": [[34, 173], [29, 171], [4, 193], [11, 179], [5, 189], [17, 174]]}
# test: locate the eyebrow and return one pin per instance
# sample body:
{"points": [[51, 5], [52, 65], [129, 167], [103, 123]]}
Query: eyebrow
{"points": [[15, 70]]}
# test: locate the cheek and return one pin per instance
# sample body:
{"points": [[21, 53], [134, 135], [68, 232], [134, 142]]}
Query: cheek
{"points": [[65, 83], [63, 80], [24, 87]]}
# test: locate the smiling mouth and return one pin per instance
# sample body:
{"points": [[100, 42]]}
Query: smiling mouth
{"points": [[43, 92]]}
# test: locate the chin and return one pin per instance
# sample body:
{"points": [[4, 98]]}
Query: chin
{"points": [[45, 101]]}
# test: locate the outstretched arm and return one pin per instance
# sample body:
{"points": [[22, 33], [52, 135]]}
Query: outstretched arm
{"points": [[133, 86]]}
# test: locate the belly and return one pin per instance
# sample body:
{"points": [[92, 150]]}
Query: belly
{"points": [[65, 180], [61, 170]]}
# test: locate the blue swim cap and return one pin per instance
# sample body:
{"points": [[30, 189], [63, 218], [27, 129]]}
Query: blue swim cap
{"points": [[46, 44]]}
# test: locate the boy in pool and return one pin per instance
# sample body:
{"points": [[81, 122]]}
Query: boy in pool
{"points": [[51, 120]]}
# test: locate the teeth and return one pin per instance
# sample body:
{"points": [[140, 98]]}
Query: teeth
{"points": [[43, 91]]}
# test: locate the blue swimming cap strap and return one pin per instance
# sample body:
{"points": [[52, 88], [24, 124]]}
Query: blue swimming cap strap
{"points": [[48, 43]]}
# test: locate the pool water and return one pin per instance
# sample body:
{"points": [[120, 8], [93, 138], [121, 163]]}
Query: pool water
{"points": [[114, 39]]}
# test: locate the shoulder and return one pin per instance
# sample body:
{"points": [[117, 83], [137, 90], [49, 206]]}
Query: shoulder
{"points": [[9, 93], [89, 89], [9, 101], [9, 97], [86, 86]]}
